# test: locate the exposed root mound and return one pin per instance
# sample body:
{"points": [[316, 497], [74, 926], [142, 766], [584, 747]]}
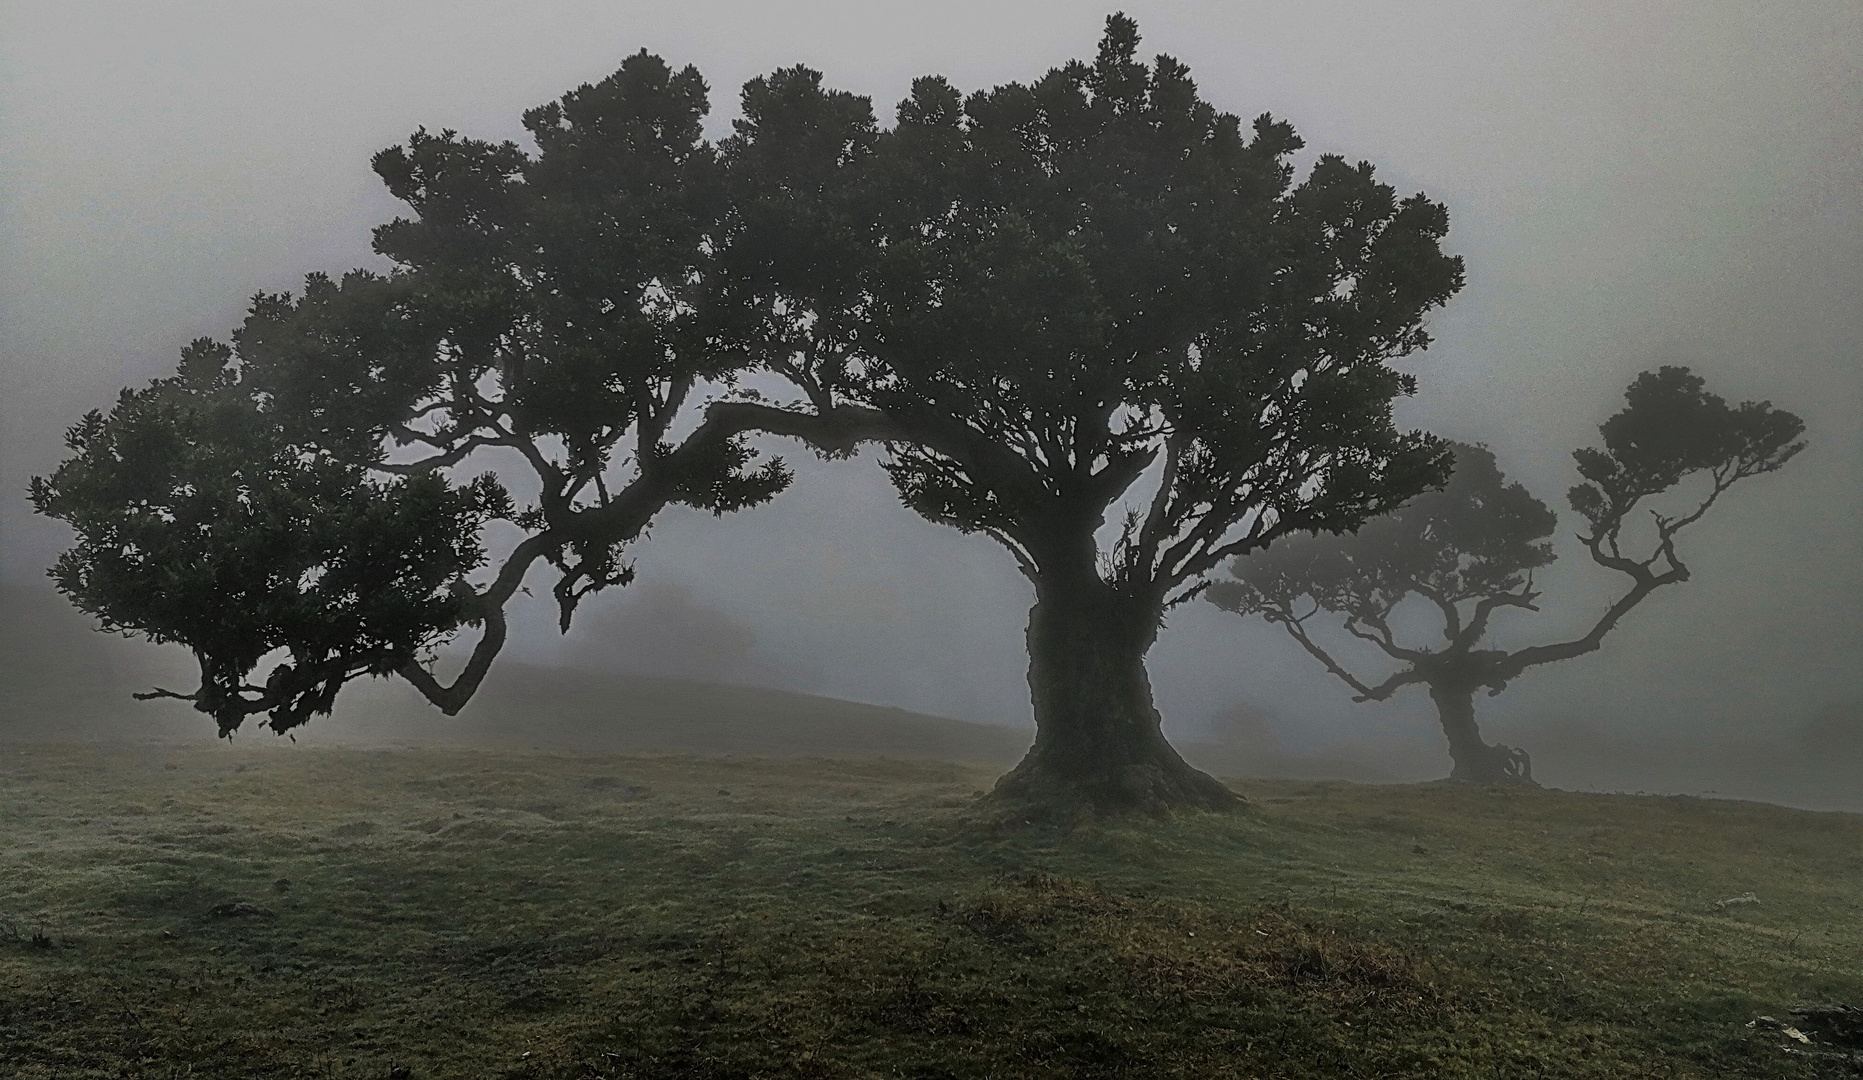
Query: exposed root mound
{"points": [[1495, 781], [1037, 793]]}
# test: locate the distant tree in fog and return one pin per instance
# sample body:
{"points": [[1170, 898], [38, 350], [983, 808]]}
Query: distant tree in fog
{"points": [[1835, 732], [1470, 550], [662, 629], [1244, 725]]}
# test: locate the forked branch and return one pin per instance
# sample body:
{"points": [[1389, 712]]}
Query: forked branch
{"points": [[620, 520], [1296, 628]]}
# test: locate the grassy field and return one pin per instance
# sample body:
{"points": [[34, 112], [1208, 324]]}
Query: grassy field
{"points": [[438, 913]]}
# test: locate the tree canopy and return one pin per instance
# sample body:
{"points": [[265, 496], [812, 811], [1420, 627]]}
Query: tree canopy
{"points": [[1049, 289], [201, 521], [1467, 549], [1094, 294], [556, 304]]}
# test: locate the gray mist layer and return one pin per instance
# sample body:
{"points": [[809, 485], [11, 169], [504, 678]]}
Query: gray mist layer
{"points": [[1631, 185]]}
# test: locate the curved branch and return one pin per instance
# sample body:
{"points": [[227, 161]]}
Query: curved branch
{"points": [[489, 609], [1646, 582], [1297, 630], [1721, 481], [624, 516], [836, 431], [1190, 592], [1203, 548], [459, 452], [1118, 476], [1201, 551], [1024, 561], [1383, 639], [1452, 615], [1385, 689], [1152, 534], [1478, 622], [1517, 662], [159, 693]]}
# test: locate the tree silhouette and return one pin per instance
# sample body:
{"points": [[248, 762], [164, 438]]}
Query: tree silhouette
{"points": [[1471, 549], [200, 522], [1090, 289], [1045, 300], [291, 491]]}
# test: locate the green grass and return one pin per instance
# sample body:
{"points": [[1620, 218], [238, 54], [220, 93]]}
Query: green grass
{"points": [[462, 914]]}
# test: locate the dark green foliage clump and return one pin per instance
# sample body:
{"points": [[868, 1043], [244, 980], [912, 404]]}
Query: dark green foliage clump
{"points": [[291, 492], [1669, 429], [201, 520]]}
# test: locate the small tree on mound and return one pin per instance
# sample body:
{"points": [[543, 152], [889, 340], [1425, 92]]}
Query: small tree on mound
{"points": [[1471, 549]]}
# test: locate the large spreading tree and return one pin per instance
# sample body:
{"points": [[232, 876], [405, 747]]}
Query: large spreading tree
{"points": [[1093, 317], [1105, 326], [1470, 550]]}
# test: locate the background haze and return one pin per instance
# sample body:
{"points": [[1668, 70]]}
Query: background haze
{"points": [[1631, 184]]}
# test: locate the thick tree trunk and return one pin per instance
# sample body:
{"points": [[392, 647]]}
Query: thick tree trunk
{"points": [[1475, 761], [1098, 744]]}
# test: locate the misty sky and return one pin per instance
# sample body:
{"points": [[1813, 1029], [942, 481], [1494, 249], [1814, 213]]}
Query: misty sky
{"points": [[1630, 183]]}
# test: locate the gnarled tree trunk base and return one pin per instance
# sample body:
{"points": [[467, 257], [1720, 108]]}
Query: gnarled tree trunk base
{"points": [[1100, 749], [1475, 761], [1493, 765], [1039, 791]]}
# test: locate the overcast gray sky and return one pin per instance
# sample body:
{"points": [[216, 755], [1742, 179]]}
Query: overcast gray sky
{"points": [[1631, 183]]}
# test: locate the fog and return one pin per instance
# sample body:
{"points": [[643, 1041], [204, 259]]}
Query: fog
{"points": [[1630, 185]]}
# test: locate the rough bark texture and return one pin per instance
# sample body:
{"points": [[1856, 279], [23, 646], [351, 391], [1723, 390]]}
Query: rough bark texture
{"points": [[1476, 762], [1098, 746]]}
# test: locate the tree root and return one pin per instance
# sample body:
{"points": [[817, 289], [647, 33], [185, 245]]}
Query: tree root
{"points": [[1036, 793], [1496, 765]]}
